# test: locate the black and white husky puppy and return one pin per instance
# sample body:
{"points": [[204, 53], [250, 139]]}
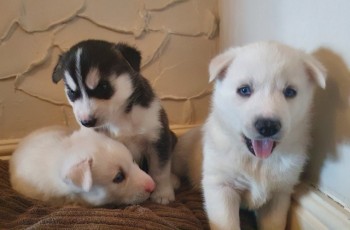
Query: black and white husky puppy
{"points": [[104, 86]]}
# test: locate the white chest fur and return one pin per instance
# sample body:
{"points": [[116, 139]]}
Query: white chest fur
{"points": [[138, 128], [256, 180]]}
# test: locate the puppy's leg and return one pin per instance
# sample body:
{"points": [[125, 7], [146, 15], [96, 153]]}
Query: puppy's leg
{"points": [[161, 174], [273, 215], [159, 158], [222, 206]]}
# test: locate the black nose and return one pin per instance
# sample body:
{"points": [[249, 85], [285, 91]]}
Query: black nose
{"points": [[267, 127], [89, 123]]}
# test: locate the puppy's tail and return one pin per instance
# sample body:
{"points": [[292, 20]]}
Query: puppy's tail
{"points": [[187, 157]]}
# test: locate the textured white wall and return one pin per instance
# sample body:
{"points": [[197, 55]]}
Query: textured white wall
{"points": [[321, 27], [176, 37]]}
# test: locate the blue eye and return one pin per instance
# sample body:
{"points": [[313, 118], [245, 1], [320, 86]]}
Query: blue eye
{"points": [[120, 177], [244, 91], [289, 92]]}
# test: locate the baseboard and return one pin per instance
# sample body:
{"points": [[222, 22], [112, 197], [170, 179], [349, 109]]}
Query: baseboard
{"points": [[181, 129], [311, 209]]}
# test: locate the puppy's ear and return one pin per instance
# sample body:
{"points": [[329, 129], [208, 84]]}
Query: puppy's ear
{"points": [[315, 70], [219, 64], [131, 55], [57, 73], [79, 174]]}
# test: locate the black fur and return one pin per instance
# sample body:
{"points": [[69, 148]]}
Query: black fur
{"points": [[95, 53], [131, 54], [108, 58], [167, 139], [142, 95]]}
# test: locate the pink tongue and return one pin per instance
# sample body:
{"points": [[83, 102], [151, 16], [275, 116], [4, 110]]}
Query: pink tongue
{"points": [[262, 148]]}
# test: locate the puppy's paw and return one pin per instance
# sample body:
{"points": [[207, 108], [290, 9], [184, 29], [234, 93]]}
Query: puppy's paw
{"points": [[175, 181], [163, 195]]}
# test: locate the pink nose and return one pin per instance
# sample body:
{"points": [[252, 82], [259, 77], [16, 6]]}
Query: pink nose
{"points": [[150, 186]]}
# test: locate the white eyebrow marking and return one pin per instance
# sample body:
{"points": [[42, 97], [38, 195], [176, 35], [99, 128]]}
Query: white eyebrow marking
{"points": [[69, 81], [92, 78], [77, 63], [78, 73]]}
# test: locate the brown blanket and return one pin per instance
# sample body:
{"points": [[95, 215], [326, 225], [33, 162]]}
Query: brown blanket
{"points": [[18, 212]]}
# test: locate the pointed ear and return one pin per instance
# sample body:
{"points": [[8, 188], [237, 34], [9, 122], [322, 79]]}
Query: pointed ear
{"points": [[131, 55], [219, 64], [79, 174], [315, 70], [58, 71]]}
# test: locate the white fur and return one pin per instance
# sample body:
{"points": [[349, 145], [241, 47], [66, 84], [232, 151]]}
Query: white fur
{"points": [[231, 175], [69, 81], [60, 166]]}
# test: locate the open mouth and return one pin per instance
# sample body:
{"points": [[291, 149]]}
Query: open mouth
{"points": [[261, 148]]}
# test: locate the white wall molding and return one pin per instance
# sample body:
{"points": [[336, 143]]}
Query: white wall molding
{"points": [[312, 209], [181, 129]]}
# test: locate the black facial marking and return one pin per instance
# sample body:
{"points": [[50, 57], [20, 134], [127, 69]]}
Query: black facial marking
{"points": [[167, 140], [73, 95], [143, 94], [108, 58], [103, 90]]}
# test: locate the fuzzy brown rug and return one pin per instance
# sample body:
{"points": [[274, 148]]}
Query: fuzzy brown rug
{"points": [[18, 212]]}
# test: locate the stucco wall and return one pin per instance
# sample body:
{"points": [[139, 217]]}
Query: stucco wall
{"points": [[176, 37]]}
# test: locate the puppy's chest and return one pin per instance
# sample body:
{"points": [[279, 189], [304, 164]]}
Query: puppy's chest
{"points": [[138, 145], [257, 184], [137, 141], [142, 125]]}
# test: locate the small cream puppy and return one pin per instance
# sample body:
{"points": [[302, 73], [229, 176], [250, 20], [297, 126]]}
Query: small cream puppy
{"points": [[84, 167], [256, 136]]}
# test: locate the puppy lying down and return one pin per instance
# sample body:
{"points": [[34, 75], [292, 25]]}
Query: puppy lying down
{"points": [[85, 167]]}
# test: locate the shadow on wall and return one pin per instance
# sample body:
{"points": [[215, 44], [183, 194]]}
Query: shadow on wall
{"points": [[331, 123]]}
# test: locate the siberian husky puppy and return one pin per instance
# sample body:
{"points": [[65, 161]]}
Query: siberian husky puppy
{"points": [[108, 94], [60, 166], [254, 142]]}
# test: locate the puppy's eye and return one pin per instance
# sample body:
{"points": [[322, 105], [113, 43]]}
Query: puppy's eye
{"points": [[120, 177], [103, 90], [289, 92], [245, 91], [72, 95]]}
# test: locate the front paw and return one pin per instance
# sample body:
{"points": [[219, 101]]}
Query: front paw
{"points": [[163, 194]]}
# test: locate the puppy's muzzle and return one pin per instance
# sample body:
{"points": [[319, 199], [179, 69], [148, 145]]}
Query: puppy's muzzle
{"points": [[267, 127], [89, 123]]}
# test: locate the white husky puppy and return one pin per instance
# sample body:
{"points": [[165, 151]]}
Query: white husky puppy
{"points": [[61, 166], [256, 136]]}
